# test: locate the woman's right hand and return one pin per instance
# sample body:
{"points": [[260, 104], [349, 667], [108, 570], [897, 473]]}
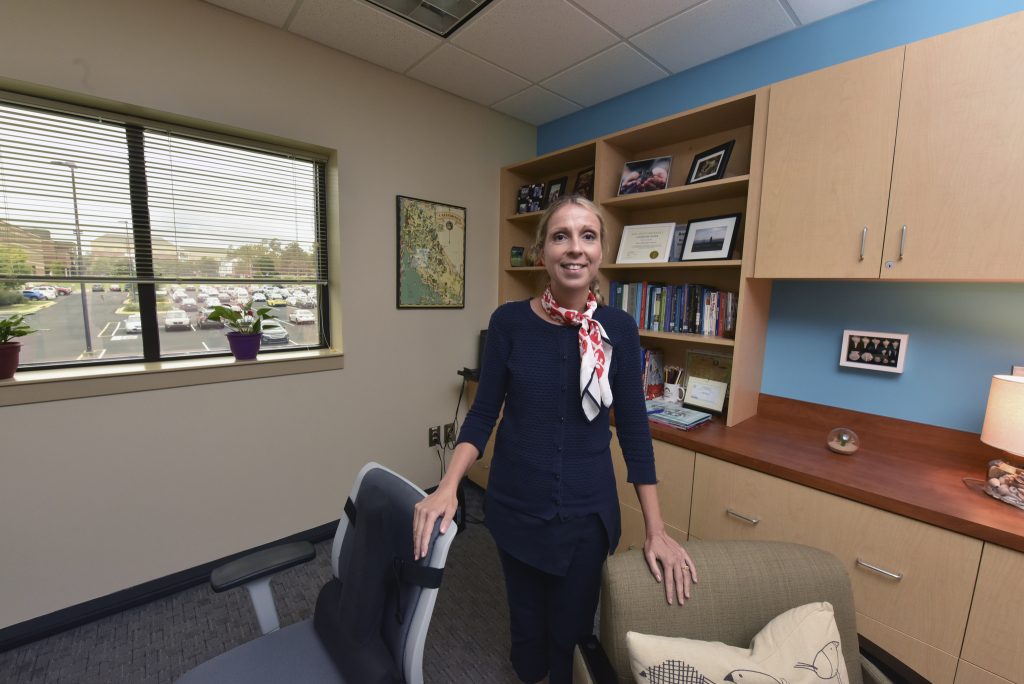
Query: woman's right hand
{"points": [[442, 503]]}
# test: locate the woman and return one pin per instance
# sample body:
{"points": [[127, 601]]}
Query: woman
{"points": [[556, 363]]}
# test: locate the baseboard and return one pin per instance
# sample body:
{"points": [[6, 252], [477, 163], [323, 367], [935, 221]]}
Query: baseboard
{"points": [[73, 616]]}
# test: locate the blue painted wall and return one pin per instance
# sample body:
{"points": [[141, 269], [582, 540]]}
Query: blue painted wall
{"points": [[960, 334]]}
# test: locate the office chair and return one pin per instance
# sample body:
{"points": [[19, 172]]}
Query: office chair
{"points": [[370, 621]]}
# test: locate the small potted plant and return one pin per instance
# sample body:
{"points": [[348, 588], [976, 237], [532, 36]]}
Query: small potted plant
{"points": [[246, 326], [10, 349]]}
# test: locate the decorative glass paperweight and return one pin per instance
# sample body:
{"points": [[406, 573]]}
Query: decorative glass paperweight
{"points": [[1006, 483], [843, 441]]}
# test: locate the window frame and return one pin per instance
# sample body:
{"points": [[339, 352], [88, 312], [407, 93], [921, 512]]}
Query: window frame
{"points": [[74, 380]]}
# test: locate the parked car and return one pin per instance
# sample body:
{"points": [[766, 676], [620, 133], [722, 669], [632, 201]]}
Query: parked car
{"points": [[259, 297], [63, 291], [276, 300], [97, 287], [32, 295], [133, 324], [205, 321], [189, 304], [274, 333], [176, 319], [48, 291], [115, 288], [301, 316]]}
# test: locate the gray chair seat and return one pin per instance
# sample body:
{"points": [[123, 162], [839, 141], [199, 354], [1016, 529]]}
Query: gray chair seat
{"points": [[275, 658]]}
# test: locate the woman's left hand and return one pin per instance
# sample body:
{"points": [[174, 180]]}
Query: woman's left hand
{"points": [[679, 570]]}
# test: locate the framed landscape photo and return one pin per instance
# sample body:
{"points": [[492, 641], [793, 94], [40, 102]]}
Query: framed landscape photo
{"points": [[710, 164], [584, 186], [710, 238], [554, 190], [645, 175], [877, 351], [431, 268]]}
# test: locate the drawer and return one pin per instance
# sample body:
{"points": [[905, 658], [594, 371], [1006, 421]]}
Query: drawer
{"points": [[993, 640], [966, 673], [930, 599]]}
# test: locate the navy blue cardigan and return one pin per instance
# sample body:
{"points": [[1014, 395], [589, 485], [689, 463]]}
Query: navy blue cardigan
{"points": [[548, 459]]}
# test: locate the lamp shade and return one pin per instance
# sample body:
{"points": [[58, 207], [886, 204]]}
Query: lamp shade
{"points": [[1004, 415]]}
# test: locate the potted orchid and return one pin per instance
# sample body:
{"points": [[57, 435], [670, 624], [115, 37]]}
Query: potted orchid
{"points": [[246, 324], [10, 349]]}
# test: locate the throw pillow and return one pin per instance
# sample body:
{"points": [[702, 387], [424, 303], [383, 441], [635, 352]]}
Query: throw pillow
{"points": [[800, 646]]}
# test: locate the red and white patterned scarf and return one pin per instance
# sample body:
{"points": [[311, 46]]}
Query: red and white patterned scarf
{"points": [[595, 351]]}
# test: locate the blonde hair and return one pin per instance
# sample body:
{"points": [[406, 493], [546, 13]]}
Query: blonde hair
{"points": [[537, 248]]}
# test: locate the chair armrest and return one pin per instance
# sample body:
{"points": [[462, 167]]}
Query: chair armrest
{"points": [[252, 567], [591, 664]]}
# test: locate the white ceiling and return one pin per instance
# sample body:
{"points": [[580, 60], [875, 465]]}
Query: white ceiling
{"points": [[538, 60]]}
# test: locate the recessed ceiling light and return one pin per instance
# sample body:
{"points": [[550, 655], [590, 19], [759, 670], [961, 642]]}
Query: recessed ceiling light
{"points": [[437, 16]]}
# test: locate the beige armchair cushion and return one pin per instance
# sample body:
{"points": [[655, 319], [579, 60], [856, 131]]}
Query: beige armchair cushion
{"points": [[743, 586], [801, 646]]}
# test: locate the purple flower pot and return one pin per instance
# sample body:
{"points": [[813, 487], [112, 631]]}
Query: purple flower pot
{"points": [[244, 345]]}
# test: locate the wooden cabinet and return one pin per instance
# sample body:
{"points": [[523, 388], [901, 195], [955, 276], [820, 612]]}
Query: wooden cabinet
{"points": [[897, 566], [959, 165], [828, 159], [993, 639], [905, 164], [675, 485], [741, 119], [479, 471], [967, 673]]}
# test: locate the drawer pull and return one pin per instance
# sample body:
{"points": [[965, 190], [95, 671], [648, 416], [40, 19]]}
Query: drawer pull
{"points": [[903, 241], [874, 568], [740, 516], [863, 240]]}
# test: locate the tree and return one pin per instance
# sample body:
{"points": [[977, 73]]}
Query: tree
{"points": [[295, 262], [14, 261]]}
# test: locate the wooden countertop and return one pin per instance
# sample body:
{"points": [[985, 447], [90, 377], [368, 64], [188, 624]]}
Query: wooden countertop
{"points": [[912, 469]]}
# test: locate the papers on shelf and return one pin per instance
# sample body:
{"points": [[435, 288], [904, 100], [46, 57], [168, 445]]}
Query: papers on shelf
{"points": [[672, 414]]}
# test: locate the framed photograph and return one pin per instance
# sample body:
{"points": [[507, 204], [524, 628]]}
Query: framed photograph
{"points": [[877, 351], [554, 190], [584, 186], [650, 243], [431, 268], [710, 238], [645, 175], [710, 165], [702, 393], [535, 197], [523, 199]]}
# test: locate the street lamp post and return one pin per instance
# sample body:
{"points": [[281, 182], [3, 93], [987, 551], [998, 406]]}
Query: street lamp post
{"points": [[78, 243]]}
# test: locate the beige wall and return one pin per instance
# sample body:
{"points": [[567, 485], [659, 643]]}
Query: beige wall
{"points": [[100, 494]]}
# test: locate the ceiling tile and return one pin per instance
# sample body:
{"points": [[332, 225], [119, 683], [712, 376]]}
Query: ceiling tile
{"points": [[459, 72], [364, 31], [273, 12], [627, 18], [613, 72], [711, 30], [536, 106], [533, 38], [808, 11]]}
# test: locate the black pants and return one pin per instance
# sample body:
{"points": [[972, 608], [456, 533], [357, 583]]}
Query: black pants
{"points": [[550, 613]]}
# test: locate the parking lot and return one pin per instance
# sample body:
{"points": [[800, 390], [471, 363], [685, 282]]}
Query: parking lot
{"points": [[61, 334]]}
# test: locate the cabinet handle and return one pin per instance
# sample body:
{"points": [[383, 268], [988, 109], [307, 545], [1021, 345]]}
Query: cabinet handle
{"points": [[903, 241], [740, 516], [863, 242], [874, 568]]}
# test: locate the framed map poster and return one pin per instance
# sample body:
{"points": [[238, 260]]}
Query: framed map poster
{"points": [[431, 255]]}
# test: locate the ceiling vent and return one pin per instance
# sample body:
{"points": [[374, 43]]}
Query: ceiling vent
{"points": [[437, 16]]}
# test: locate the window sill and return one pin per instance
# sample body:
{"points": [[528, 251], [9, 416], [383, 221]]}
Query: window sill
{"points": [[30, 387]]}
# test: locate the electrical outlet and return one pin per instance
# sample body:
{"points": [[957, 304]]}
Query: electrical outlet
{"points": [[449, 433], [434, 436]]}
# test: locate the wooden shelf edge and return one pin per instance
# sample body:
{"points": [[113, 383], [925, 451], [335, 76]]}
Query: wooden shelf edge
{"points": [[672, 265], [682, 194], [687, 337]]}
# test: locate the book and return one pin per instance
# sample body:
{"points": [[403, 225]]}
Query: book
{"points": [[654, 373], [672, 414]]}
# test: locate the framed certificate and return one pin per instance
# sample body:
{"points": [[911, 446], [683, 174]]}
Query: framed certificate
{"points": [[705, 394], [650, 243]]}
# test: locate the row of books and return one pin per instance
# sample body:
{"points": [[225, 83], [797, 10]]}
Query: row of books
{"points": [[689, 308]]}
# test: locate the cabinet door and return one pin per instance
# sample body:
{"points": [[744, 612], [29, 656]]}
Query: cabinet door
{"points": [[997, 620], [959, 165], [828, 160], [675, 483]]}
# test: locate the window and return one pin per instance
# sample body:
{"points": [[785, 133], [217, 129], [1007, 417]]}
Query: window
{"points": [[117, 235]]}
